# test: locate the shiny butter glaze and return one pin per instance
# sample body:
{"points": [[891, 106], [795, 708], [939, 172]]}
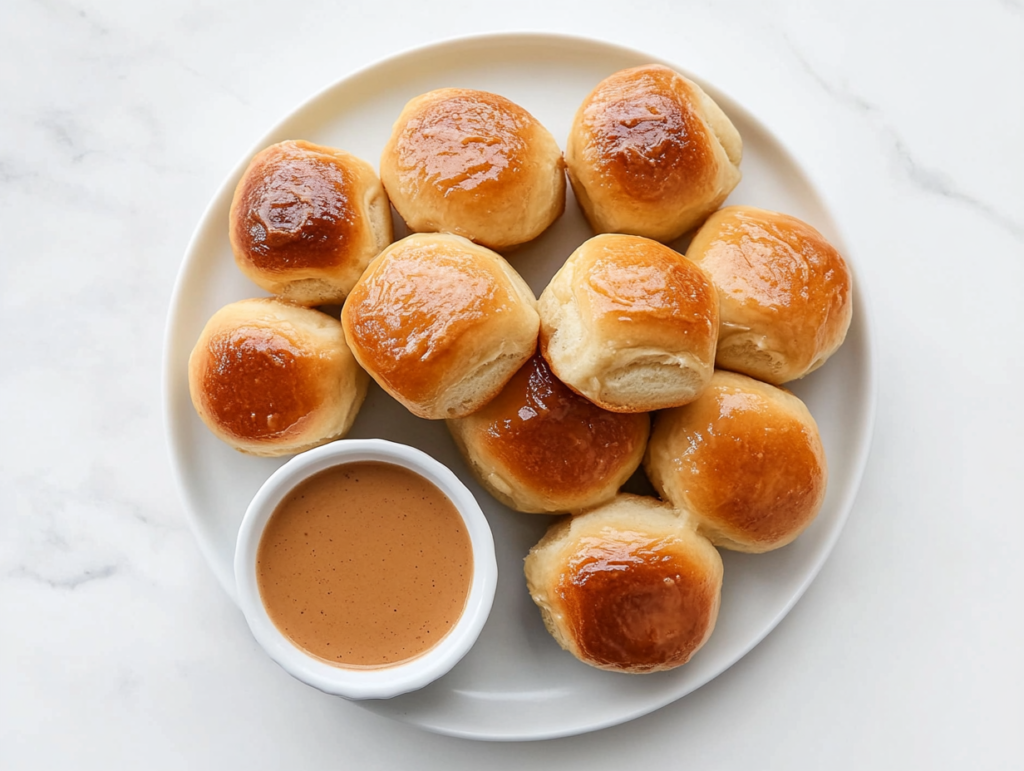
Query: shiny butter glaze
{"points": [[462, 141], [747, 468], [643, 134], [632, 279], [779, 268], [559, 442], [293, 209], [636, 601], [256, 384], [407, 312]]}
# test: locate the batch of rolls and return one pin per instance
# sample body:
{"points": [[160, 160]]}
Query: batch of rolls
{"points": [[633, 353]]}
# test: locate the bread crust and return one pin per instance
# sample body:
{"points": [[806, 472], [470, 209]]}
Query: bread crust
{"points": [[539, 447], [474, 164], [441, 323], [786, 293], [627, 586], [650, 154], [306, 220], [630, 324], [271, 378], [745, 460]]}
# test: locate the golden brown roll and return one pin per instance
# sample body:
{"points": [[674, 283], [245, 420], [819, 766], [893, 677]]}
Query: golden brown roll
{"points": [[271, 378], [630, 324], [786, 294], [744, 460], [474, 164], [651, 154], [441, 324], [628, 586], [538, 447], [306, 220]]}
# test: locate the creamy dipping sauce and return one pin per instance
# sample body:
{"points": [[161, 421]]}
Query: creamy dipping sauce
{"points": [[365, 565]]}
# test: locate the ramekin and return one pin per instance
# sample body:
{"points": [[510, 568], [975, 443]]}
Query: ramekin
{"points": [[372, 683]]}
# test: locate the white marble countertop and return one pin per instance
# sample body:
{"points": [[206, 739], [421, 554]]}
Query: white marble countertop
{"points": [[118, 648]]}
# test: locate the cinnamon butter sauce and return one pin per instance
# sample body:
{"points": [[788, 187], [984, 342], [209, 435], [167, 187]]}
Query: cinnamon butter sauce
{"points": [[365, 565]]}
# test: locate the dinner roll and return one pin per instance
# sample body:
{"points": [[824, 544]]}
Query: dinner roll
{"points": [[745, 460], [441, 323], [649, 153], [539, 447], [306, 220], [630, 324], [628, 586], [785, 293], [474, 164], [271, 378]]}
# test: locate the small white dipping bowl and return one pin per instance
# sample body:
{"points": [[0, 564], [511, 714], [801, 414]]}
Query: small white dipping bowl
{"points": [[388, 681]]}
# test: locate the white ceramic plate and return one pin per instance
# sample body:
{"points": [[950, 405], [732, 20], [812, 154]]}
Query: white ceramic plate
{"points": [[517, 683]]}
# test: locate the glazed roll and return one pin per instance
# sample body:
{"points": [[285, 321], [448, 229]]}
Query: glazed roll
{"points": [[630, 324], [306, 220], [538, 447], [270, 378], [441, 324], [745, 460], [651, 154], [474, 164], [786, 293], [628, 586]]}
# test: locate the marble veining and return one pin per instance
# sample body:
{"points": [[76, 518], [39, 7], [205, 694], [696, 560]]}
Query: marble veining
{"points": [[62, 129], [939, 183], [56, 539], [930, 180], [10, 173], [74, 12], [70, 582], [52, 543]]}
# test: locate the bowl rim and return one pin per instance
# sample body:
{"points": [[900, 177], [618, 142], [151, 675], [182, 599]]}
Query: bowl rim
{"points": [[366, 683]]}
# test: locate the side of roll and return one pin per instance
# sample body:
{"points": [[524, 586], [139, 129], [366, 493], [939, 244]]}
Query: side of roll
{"points": [[630, 324]]}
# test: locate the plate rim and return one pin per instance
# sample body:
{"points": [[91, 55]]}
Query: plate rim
{"points": [[550, 39]]}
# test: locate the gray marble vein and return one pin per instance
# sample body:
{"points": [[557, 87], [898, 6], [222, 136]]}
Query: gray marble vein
{"points": [[75, 14], [70, 582], [913, 170]]}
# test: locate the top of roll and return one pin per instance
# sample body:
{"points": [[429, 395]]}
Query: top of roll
{"points": [[540, 447], [786, 294], [627, 586], [271, 378], [745, 460], [474, 164], [441, 323], [650, 154], [306, 220]]}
